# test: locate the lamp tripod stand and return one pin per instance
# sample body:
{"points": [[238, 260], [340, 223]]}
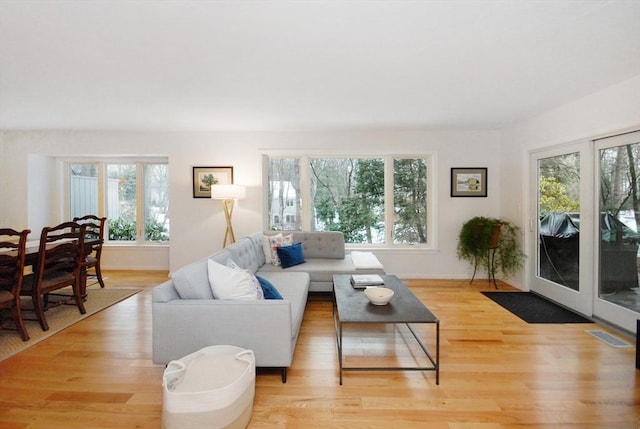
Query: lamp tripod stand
{"points": [[228, 212]]}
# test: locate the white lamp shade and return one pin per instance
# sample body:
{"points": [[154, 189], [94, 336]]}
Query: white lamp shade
{"points": [[228, 192]]}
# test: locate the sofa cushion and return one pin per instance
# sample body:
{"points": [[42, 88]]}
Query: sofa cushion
{"points": [[222, 256], [320, 245], [294, 287], [192, 281], [365, 261], [229, 283], [291, 255], [247, 253], [318, 269], [269, 291]]}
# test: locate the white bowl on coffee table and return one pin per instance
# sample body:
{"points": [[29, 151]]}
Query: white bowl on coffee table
{"points": [[378, 295]]}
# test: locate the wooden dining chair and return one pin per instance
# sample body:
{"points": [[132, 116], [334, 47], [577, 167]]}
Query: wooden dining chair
{"points": [[60, 261], [95, 232], [12, 254]]}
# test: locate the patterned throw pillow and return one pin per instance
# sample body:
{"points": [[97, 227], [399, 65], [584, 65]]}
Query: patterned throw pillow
{"points": [[276, 241]]}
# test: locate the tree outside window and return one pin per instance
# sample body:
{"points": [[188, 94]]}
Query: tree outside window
{"points": [[350, 195], [410, 200], [283, 193], [620, 183], [559, 184]]}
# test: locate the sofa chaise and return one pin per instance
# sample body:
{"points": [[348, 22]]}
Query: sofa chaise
{"points": [[187, 317]]}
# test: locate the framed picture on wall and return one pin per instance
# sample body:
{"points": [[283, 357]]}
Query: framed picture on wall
{"points": [[469, 182], [204, 177]]}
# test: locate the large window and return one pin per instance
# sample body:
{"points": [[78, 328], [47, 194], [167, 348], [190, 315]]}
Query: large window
{"points": [[619, 222], [381, 200], [133, 195]]}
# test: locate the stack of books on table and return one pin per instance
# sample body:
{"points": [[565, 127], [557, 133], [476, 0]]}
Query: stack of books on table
{"points": [[362, 281]]}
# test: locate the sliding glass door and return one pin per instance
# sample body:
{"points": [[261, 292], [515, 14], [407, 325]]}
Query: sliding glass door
{"points": [[586, 227], [562, 263], [618, 172]]}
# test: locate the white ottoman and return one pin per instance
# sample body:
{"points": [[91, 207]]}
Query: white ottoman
{"points": [[211, 388]]}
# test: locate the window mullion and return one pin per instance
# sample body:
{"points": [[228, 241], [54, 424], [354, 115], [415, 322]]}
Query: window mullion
{"points": [[305, 189], [102, 189], [388, 199], [140, 202]]}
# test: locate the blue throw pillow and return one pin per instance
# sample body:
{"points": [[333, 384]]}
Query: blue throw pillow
{"points": [[268, 289], [291, 255]]}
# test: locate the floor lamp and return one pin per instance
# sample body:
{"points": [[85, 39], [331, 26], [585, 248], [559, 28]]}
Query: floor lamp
{"points": [[228, 194]]}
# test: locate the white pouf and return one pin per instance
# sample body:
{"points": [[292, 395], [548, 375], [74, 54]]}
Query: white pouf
{"points": [[211, 388]]}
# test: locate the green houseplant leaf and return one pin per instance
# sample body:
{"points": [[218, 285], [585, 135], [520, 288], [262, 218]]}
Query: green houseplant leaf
{"points": [[481, 234]]}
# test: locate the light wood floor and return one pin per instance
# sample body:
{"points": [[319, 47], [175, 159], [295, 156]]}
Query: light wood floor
{"points": [[497, 372]]}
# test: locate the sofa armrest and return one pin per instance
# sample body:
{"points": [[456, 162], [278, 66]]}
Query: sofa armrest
{"points": [[164, 292], [183, 326]]}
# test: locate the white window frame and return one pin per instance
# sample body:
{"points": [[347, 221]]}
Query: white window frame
{"points": [[102, 163]]}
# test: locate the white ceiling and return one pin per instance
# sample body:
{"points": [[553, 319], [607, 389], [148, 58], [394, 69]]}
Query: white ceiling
{"points": [[278, 65]]}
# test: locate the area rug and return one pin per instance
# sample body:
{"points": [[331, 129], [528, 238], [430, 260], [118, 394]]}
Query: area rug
{"points": [[59, 318], [533, 308]]}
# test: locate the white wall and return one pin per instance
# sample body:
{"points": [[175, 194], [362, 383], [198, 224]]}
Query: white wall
{"points": [[197, 224], [27, 179], [40, 199], [606, 112]]}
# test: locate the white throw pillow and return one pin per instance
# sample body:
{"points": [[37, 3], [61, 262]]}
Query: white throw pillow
{"points": [[276, 241], [232, 264], [266, 249], [227, 283]]}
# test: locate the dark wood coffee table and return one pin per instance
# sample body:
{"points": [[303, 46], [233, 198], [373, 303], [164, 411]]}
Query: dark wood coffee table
{"points": [[351, 306]]}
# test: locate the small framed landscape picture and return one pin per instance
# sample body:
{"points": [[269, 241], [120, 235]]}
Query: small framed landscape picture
{"points": [[204, 177], [469, 182]]}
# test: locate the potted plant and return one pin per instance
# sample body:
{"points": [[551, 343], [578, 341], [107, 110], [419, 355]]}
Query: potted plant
{"points": [[493, 243]]}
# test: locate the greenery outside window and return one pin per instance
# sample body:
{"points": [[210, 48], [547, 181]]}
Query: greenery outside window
{"points": [[121, 202], [373, 200], [410, 200], [132, 194]]}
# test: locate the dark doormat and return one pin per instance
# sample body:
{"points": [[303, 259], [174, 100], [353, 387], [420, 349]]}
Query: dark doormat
{"points": [[532, 308]]}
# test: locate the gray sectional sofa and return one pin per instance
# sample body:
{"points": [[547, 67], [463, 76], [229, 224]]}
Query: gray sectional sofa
{"points": [[187, 317]]}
